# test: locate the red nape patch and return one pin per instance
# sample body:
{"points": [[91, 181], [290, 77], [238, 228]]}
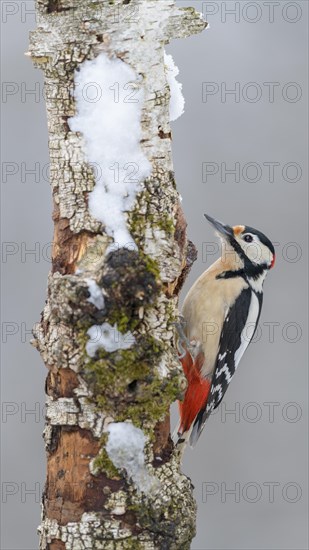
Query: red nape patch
{"points": [[273, 261], [196, 394]]}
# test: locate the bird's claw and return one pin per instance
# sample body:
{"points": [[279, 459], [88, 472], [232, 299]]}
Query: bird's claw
{"points": [[183, 344]]}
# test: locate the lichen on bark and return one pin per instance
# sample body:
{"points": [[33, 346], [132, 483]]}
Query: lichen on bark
{"points": [[87, 503]]}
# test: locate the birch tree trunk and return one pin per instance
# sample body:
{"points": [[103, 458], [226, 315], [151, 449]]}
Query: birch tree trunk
{"points": [[98, 494]]}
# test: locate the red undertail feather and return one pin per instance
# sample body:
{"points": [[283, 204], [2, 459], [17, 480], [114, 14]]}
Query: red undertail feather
{"points": [[197, 391]]}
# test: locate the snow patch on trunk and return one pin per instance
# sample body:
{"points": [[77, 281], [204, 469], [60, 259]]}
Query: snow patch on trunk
{"points": [[125, 448], [177, 101], [96, 297], [109, 100], [163, 369], [109, 338]]}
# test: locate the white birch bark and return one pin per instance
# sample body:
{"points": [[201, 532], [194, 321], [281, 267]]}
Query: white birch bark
{"points": [[89, 502]]}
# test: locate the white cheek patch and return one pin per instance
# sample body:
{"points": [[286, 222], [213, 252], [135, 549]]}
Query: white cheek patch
{"points": [[256, 251]]}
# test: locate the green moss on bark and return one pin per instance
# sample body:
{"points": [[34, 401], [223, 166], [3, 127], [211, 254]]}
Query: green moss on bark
{"points": [[128, 379], [102, 462]]}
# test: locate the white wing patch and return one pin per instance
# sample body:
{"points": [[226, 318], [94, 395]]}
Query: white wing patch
{"points": [[248, 329]]}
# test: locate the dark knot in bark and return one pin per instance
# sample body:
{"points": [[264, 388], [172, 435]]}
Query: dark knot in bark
{"points": [[130, 281]]}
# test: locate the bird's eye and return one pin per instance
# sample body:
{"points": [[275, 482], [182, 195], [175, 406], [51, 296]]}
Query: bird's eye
{"points": [[248, 238]]}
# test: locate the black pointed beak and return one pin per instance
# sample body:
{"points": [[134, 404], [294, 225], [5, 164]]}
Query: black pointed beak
{"points": [[225, 230]]}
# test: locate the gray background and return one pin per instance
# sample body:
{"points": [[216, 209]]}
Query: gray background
{"points": [[242, 452]]}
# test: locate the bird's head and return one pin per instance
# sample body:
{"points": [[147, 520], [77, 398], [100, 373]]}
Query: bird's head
{"points": [[252, 248]]}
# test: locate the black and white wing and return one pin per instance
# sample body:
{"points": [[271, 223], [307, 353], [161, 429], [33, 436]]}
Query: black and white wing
{"points": [[238, 330]]}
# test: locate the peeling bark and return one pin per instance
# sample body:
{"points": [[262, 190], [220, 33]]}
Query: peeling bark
{"points": [[87, 503]]}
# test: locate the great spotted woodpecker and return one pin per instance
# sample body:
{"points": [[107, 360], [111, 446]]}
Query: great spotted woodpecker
{"points": [[219, 318]]}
